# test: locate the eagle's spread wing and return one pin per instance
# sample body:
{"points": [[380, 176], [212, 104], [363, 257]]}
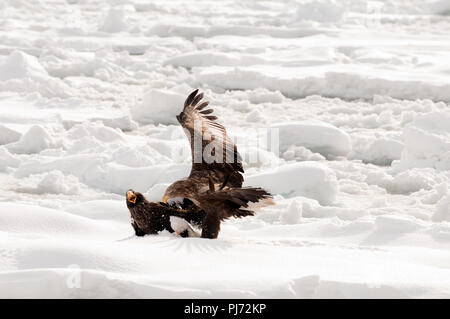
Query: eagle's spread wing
{"points": [[213, 152]]}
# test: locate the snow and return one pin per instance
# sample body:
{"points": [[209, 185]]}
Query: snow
{"points": [[317, 136], [293, 213], [7, 159], [309, 179], [21, 65], [114, 21], [380, 151], [442, 210], [321, 11], [427, 141], [8, 135], [357, 92], [22, 72], [158, 106], [35, 140], [330, 81], [54, 182]]}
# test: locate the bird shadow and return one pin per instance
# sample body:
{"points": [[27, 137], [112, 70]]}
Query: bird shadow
{"points": [[187, 245], [203, 245], [126, 238]]}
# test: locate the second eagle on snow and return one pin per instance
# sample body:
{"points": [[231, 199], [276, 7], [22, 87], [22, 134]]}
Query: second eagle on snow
{"points": [[213, 190]]}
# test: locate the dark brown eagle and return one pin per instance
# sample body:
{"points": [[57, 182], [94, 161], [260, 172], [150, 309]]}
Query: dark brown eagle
{"points": [[213, 190], [153, 217]]}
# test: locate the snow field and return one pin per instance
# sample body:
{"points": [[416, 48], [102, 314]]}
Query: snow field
{"points": [[358, 93]]}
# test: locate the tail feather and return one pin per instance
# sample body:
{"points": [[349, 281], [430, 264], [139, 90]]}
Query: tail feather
{"points": [[237, 200], [243, 213]]}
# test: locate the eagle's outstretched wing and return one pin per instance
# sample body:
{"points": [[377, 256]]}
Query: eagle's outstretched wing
{"points": [[213, 152]]}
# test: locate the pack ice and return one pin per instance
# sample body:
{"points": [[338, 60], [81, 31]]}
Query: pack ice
{"points": [[358, 93]]}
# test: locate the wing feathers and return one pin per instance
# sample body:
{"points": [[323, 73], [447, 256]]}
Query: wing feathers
{"points": [[198, 122], [202, 106], [208, 111], [190, 98], [197, 99], [234, 200]]}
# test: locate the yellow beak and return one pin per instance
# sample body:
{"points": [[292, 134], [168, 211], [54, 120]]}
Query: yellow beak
{"points": [[131, 197]]}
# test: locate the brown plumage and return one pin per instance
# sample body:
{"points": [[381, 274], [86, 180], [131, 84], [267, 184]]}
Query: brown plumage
{"points": [[228, 202], [153, 217], [214, 184], [204, 132], [213, 190]]}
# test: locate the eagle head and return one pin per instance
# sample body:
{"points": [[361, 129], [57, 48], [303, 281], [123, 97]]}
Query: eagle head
{"points": [[134, 198]]}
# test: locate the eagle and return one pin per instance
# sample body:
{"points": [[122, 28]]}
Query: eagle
{"points": [[213, 190], [153, 217]]}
